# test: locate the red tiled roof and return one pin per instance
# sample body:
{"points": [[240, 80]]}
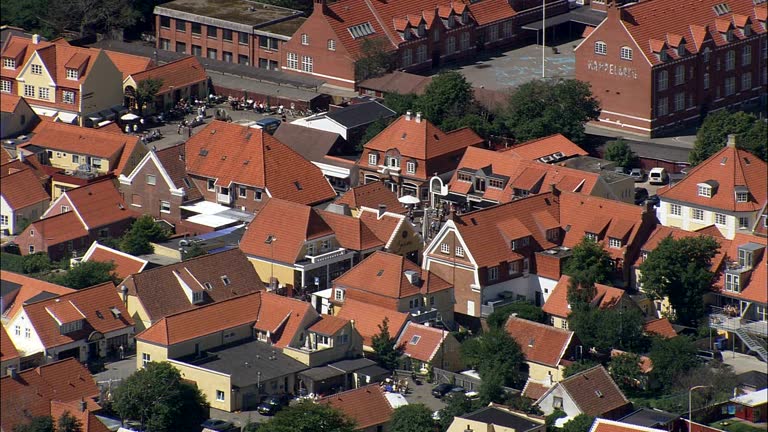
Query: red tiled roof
{"points": [[30, 394], [176, 74], [754, 289], [8, 350], [125, 264], [397, 82], [58, 228], [368, 317], [282, 316], [351, 232], [108, 209], [489, 11], [30, 287], [660, 327], [94, 304], [547, 146], [232, 153], [8, 102], [557, 302], [57, 56], [728, 168], [372, 195], [534, 390], [367, 406], [172, 159], [88, 420], [653, 21], [384, 227], [129, 64], [23, 189], [603, 425], [85, 141], [421, 342], [661, 232], [328, 325], [540, 343], [594, 392], [761, 222]]}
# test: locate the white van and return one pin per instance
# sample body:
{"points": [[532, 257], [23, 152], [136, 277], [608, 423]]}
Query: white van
{"points": [[658, 176]]}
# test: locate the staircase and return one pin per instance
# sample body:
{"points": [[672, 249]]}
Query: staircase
{"points": [[754, 344]]}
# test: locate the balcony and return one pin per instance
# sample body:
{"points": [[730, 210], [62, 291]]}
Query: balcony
{"points": [[326, 256], [422, 315], [225, 199], [729, 319], [492, 305]]}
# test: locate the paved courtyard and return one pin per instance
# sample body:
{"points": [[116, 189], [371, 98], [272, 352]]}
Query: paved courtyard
{"points": [[508, 69]]}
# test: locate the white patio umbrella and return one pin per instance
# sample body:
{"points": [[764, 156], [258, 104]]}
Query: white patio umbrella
{"points": [[129, 117], [409, 199]]}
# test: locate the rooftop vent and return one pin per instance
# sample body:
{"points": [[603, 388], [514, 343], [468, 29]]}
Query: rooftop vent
{"points": [[203, 152]]}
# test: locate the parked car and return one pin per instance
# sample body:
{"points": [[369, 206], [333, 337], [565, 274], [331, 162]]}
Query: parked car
{"points": [[653, 199], [641, 194], [708, 356], [658, 176], [619, 170], [269, 124], [441, 390], [456, 390], [272, 404], [217, 425], [638, 174]]}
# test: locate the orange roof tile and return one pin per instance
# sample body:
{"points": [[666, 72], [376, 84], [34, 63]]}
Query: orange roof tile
{"points": [[30, 287], [594, 392], [282, 316], [9, 101], [125, 264], [329, 325], [372, 195], [58, 228], [109, 208], [232, 153], [384, 227], [557, 302], [94, 305], [421, 342], [351, 233], [534, 390], [88, 420], [754, 289], [368, 317], [129, 64], [8, 350], [540, 343], [728, 169], [23, 189], [604, 425], [660, 327], [176, 74], [489, 11], [547, 146], [366, 406], [84, 141]]}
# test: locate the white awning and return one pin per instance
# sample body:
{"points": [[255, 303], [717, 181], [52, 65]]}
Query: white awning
{"points": [[332, 170], [66, 117], [47, 112], [212, 221], [205, 207]]}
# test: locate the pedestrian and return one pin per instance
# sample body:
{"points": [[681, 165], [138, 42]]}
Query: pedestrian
{"points": [[179, 130], [122, 352]]}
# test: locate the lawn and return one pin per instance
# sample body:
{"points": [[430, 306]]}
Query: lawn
{"points": [[735, 426]]}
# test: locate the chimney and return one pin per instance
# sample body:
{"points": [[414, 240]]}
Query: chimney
{"points": [[12, 372], [613, 11], [319, 7], [732, 140], [418, 117], [36, 39], [408, 115], [352, 323], [83, 405], [124, 290], [20, 155], [382, 209]]}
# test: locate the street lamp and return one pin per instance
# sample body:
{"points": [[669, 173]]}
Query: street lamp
{"points": [[271, 239], [543, 36], [690, 409]]}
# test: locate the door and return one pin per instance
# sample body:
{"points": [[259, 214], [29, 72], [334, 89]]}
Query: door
{"points": [[471, 308], [538, 298]]}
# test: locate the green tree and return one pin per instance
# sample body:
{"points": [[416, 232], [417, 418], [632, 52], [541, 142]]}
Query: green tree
{"points": [[146, 91], [679, 269], [713, 135], [625, 370], [492, 387], [618, 151], [580, 423], [589, 262], [69, 423], [26, 14], [412, 418], [143, 231], [383, 345], [581, 290], [541, 108], [604, 329], [36, 263], [308, 416], [523, 309], [401, 103], [578, 366], [457, 405], [376, 58], [37, 424], [448, 95], [193, 251], [550, 420], [87, 274], [494, 352], [718, 376], [158, 398], [89, 17], [672, 358]]}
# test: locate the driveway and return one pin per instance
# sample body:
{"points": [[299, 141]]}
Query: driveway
{"points": [[742, 362]]}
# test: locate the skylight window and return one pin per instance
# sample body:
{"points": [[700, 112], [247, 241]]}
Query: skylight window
{"points": [[361, 30], [415, 339], [722, 9]]}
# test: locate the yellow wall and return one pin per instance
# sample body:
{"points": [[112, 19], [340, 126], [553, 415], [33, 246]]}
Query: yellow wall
{"points": [[26, 77], [283, 273], [558, 322], [209, 382], [62, 160], [157, 353], [541, 373], [403, 245], [166, 251], [138, 313]]}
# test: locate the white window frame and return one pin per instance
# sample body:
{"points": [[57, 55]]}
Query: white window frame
{"points": [[165, 206], [305, 39], [697, 214], [68, 97], [151, 179], [730, 60], [743, 222], [338, 294], [307, 64], [729, 86], [662, 80], [625, 53], [29, 91], [73, 74], [6, 86], [36, 69], [220, 396], [331, 44], [742, 196], [444, 248], [410, 167], [679, 75], [721, 219], [9, 63], [675, 210], [746, 55], [601, 48], [662, 107], [614, 243], [493, 273], [373, 158], [44, 93], [704, 190], [732, 282], [459, 251], [292, 61], [679, 101], [746, 81], [145, 358]]}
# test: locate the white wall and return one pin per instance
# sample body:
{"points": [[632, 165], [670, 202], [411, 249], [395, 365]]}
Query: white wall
{"points": [[6, 210], [569, 406], [527, 286], [322, 123], [28, 346]]}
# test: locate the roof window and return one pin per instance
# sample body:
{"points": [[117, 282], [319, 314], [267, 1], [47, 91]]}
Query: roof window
{"points": [[721, 9], [361, 30], [415, 339]]}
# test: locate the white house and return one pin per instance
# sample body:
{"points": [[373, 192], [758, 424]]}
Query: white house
{"points": [[22, 200]]}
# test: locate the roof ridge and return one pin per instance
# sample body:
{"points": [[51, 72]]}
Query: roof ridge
{"points": [[538, 324], [211, 304]]}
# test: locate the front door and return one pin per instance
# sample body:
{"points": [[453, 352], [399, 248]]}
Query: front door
{"points": [[93, 350]]}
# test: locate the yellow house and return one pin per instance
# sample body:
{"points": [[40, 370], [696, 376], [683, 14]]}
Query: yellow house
{"points": [[545, 347], [67, 83], [497, 418], [606, 297]]}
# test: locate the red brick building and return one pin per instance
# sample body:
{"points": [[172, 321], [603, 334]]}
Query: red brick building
{"points": [[234, 31], [659, 64], [421, 34]]}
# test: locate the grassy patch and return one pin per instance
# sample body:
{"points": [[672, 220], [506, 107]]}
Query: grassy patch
{"points": [[735, 426]]}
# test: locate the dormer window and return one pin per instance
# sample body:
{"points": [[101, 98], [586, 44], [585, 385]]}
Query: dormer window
{"points": [[591, 236], [463, 177], [495, 183], [310, 249], [729, 35], [71, 327], [339, 294], [9, 63], [553, 235], [73, 74], [393, 162], [197, 297], [407, 33], [449, 21], [373, 158], [520, 243], [704, 190], [614, 243], [681, 49], [422, 29], [742, 194], [465, 17], [732, 282]]}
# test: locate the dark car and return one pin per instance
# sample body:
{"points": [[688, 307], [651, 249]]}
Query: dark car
{"points": [[708, 356], [641, 194], [441, 390], [654, 200], [273, 404], [217, 425]]}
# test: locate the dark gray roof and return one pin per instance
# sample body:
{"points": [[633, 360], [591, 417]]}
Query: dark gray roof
{"points": [[40, 297], [493, 415], [7, 31], [661, 152], [651, 418], [321, 373], [313, 144], [352, 365], [244, 361], [7, 287], [374, 371], [756, 379], [360, 114]]}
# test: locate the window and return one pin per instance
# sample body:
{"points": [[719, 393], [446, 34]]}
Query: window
{"points": [[421, 54], [27, 333], [526, 265], [226, 34], [68, 97], [4, 220], [219, 396], [331, 45], [746, 55], [29, 90], [662, 107], [6, 86], [212, 54], [730, 60], [372, 158], [444, 248], [181, 25], [227, 56], [681, 49], [495, 183], [311, 249], [325, 245], [96, 162], [339, 294], [165, 44], [242, 38], [514, 268], [196, 28], [464, 41], [213, 32], [165, 207], [679, 74], [43, 92], [720, 219], [211, 184], [463, 177], [746, 81], [557, 402], [743, 222], [165, 22], [31, 249], [36, 69], [679, 101], [662, 80], [9, 63], [257, 195], [267, 42], [506, 29], [591, 236], [151, 179], [304, 39], [181, 47], [459, 251], [614, 243], [393, 161], [292, 61], [697, 214], [145, 358], [410, 166], [742, 196], [450, 45], [242, 59], [706, 80], [601, 48], [407, 57], [704, 190], [730, 86], [242, 191], [493, 33], [436, 35], [493, 273], [732, 282], [626, 53]]}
